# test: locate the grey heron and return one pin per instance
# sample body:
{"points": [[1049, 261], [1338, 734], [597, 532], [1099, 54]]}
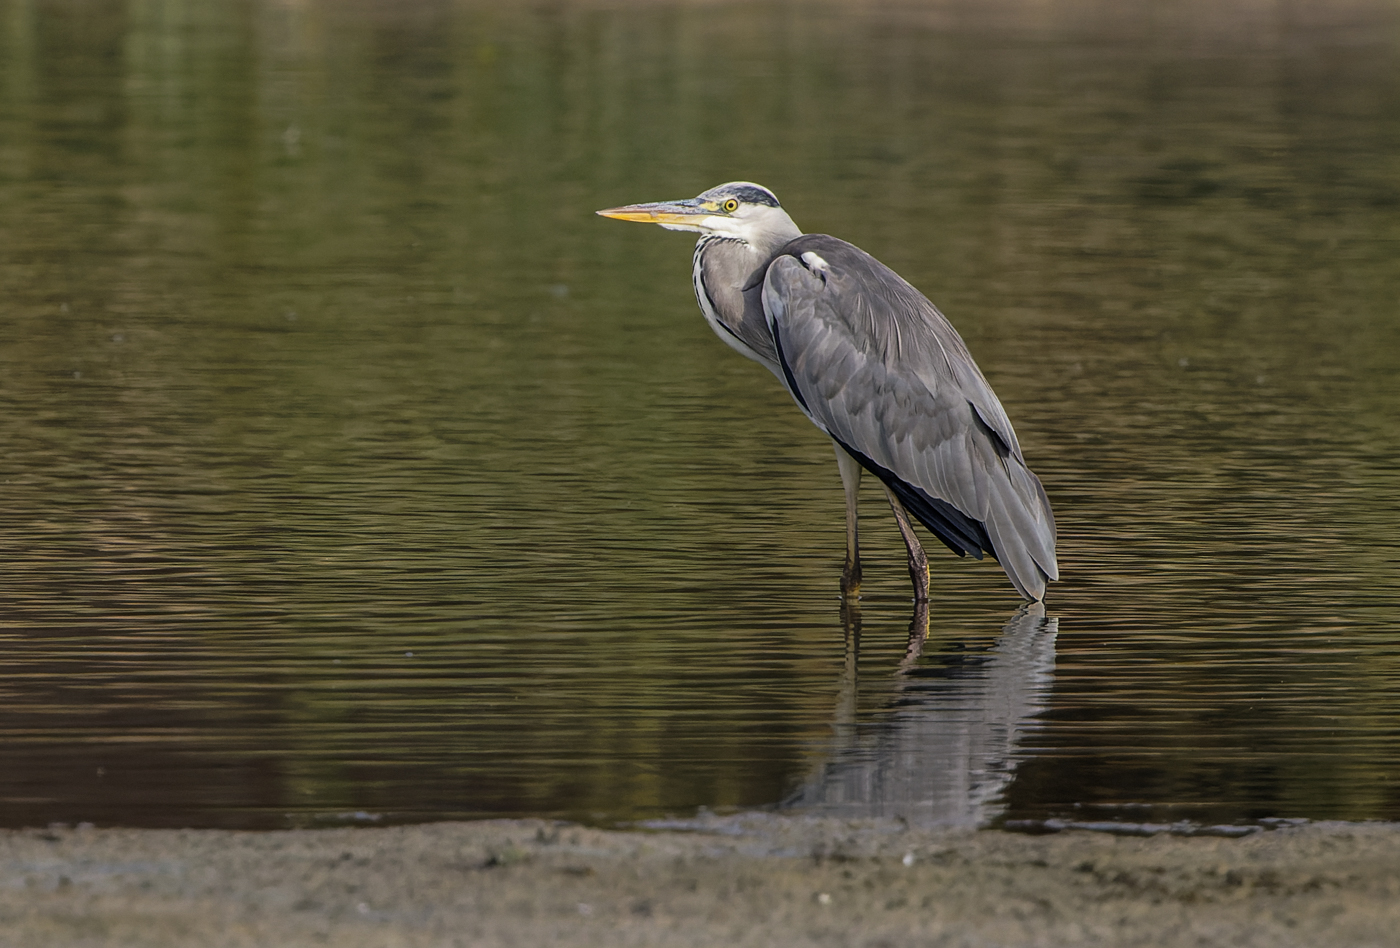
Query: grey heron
{"points": [[872, 363]]}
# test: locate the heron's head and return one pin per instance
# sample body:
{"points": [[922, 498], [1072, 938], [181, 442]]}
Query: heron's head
{"points": [[739, 210]]}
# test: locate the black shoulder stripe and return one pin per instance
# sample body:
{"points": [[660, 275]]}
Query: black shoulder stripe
{"points": [[955, 529], [787, 370]]}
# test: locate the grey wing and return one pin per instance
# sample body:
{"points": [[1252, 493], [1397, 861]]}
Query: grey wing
{"points": [[874, 364]]}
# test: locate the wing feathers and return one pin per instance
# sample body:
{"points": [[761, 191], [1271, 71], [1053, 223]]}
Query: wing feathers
{"points": [[875, 365]]}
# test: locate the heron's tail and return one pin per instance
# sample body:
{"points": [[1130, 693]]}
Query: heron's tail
{"points": [[1021, 528]]}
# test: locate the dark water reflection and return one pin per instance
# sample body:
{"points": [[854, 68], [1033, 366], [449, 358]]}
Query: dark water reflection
{"points": [[946, 750], [351, 465]]}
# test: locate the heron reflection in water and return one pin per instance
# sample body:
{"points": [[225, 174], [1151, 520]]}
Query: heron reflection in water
{"points": [[875, 365], [946, 747]]}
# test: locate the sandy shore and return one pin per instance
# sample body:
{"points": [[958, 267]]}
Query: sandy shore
{"points": [[743, 881]]}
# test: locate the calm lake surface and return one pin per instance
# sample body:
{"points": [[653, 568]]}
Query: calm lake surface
{"points": [[354, 470]]}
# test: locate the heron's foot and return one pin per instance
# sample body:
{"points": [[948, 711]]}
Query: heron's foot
{"points": [[850, 582]]}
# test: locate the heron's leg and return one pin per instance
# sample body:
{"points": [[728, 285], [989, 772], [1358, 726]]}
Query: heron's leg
{"points": [[850, 481], [918, 562]]}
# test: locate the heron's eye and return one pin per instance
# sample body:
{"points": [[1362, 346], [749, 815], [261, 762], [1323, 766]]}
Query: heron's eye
{"points": [[730, 206]]}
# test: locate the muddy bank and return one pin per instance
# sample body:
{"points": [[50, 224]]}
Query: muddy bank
{"points": [[750, 881]]}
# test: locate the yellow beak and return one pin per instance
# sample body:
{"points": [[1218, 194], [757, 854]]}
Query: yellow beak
{"points": [[663, 212]]}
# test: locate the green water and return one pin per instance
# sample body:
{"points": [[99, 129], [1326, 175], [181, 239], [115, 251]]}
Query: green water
{"points": [[353, 469]]}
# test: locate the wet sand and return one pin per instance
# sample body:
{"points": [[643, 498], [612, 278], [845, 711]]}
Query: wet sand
{"points": [[735, 882]]}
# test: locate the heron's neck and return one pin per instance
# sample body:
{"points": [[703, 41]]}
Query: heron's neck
{"points": [[724, 267]]}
